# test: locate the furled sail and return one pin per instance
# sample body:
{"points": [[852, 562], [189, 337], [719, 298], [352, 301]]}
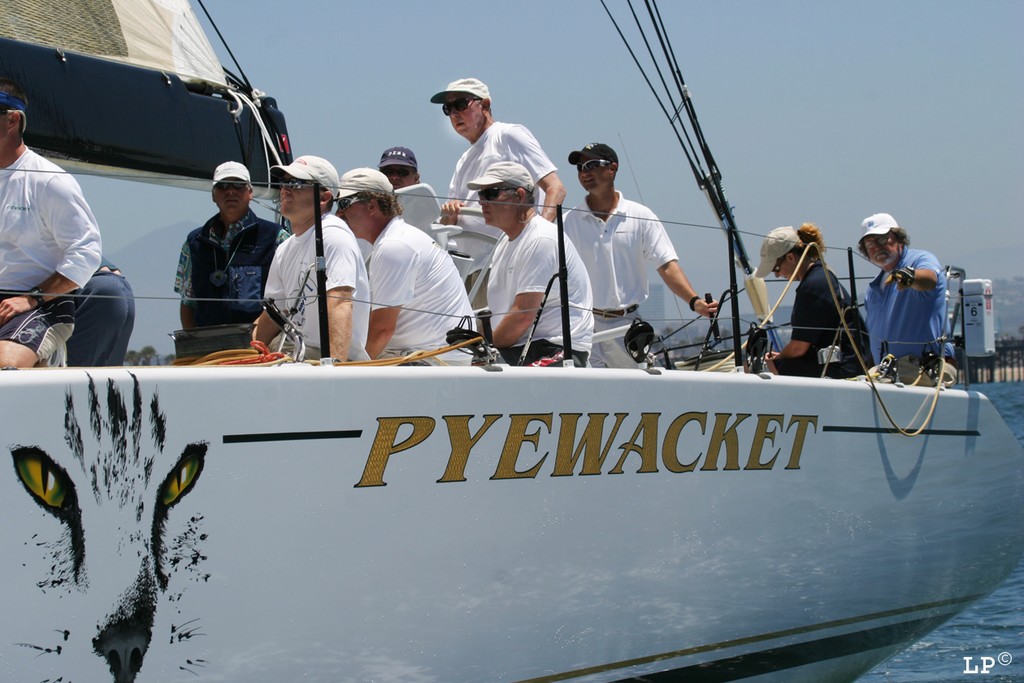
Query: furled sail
{"points": [[157, 34], [134, 85]]}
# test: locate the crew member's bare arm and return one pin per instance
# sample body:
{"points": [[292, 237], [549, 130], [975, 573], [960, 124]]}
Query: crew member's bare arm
{"points": [[676, 280], [339, 321], [518, 320], [382, 328], [554, 194]]}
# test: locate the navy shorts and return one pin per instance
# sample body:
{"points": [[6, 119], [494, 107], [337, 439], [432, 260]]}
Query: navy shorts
{"points": [[44, 330]]}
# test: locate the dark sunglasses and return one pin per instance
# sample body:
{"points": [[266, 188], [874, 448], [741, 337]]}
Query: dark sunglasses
{"points": [[346, 202], [592, 165], [231, 186], [400, 171], [294, 184], [460, 104], [489, 194]]}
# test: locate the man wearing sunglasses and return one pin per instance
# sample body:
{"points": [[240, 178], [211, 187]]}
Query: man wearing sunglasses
{"points": [[292, 283], [223, 265], [617, 239], [527, 329], [399, 165], [906, 302], [417, 294], [467, 104], [51, 242]]}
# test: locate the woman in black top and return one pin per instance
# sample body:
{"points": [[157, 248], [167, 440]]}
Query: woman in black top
{"points": [[816, 324]]}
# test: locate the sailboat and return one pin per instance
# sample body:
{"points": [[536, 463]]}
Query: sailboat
{"points": [[477, 523]]}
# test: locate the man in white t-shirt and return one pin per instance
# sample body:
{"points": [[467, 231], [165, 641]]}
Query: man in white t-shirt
{"points": [[49, 243], [416, 292], [617, 239], [525, 260], [292, 282], [467, 104]]}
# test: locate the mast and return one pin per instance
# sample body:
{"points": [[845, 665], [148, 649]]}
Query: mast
{"points": [[691, 138]]}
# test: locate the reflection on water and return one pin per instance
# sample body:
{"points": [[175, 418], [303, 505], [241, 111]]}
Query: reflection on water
{"points": [[993, 626]]}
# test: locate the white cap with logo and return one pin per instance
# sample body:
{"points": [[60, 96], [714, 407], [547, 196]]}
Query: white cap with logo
{"points": [[309, 167], [878, 224]]}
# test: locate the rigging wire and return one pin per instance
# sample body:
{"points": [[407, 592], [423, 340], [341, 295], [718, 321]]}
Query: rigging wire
{"points": [[651, 86], [708, 181], [245, 79], [632, 171]]}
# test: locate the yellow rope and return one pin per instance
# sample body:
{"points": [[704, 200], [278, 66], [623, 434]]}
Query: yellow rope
{"points": [[219, 358], [905, 431], [410, 357]]}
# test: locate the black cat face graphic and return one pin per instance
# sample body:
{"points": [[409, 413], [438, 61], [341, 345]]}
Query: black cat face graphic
{"points": [[117, 473]]}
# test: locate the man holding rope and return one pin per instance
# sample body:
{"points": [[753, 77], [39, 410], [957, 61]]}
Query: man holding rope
{"points": [[906, 302]]}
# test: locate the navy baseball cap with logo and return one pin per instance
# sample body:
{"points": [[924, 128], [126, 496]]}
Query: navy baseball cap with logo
{"points": [[595, 150], [398, 156]]}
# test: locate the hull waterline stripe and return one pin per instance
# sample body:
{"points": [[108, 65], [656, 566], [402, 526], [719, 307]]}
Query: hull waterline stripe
{"points": [[890, 430], [800, 654], [710, 647], [292, 436]]}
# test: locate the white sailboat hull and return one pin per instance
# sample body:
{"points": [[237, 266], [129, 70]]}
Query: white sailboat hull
{"points": [[431, 524]]}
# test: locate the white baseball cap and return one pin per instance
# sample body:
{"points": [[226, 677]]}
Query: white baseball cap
{"points": [[878, 224], [470, 86], [364, 180], [309, 167], [231, 170], [503, 173], [775, 245]]}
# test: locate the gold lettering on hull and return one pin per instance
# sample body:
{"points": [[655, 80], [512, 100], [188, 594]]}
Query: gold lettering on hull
{"points": [[384, 445], [693, 441]]}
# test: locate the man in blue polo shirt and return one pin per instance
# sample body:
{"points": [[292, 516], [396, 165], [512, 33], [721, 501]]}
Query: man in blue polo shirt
{"points": [[906, 302]]}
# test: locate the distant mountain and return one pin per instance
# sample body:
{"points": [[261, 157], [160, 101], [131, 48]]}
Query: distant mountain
{"points": [[149, 263]]}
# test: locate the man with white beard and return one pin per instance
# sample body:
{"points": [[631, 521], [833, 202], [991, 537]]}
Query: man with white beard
{"points": [[906, 302]]}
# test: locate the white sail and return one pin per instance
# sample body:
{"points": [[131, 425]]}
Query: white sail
{"points": [[157, 34]]}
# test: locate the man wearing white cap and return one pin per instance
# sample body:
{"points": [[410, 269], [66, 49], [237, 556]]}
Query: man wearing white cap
{"points": [[467, 104], [906, 303], [293, 279], [417, 294], [525, 259], [223, 265]]}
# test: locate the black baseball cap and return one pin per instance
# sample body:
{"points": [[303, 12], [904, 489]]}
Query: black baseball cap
{"points": [[595, 150]]}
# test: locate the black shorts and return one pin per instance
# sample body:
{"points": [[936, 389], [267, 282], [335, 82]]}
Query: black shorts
{"points": [[541, 349], [43, 330]]}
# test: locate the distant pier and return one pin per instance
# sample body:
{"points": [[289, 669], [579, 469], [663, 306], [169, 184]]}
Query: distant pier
{"points": [[1007, 365]]}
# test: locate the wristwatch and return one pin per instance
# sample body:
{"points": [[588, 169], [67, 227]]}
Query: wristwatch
{"points": [[37, 294]]}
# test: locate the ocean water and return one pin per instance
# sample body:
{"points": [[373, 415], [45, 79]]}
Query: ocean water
{"points": [[993, 627]]}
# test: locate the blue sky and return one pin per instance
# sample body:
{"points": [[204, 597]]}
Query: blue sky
{"points": [[821, 112]]}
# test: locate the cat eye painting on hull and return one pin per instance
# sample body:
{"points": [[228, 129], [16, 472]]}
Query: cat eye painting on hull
{"points": [[109, 495]]}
